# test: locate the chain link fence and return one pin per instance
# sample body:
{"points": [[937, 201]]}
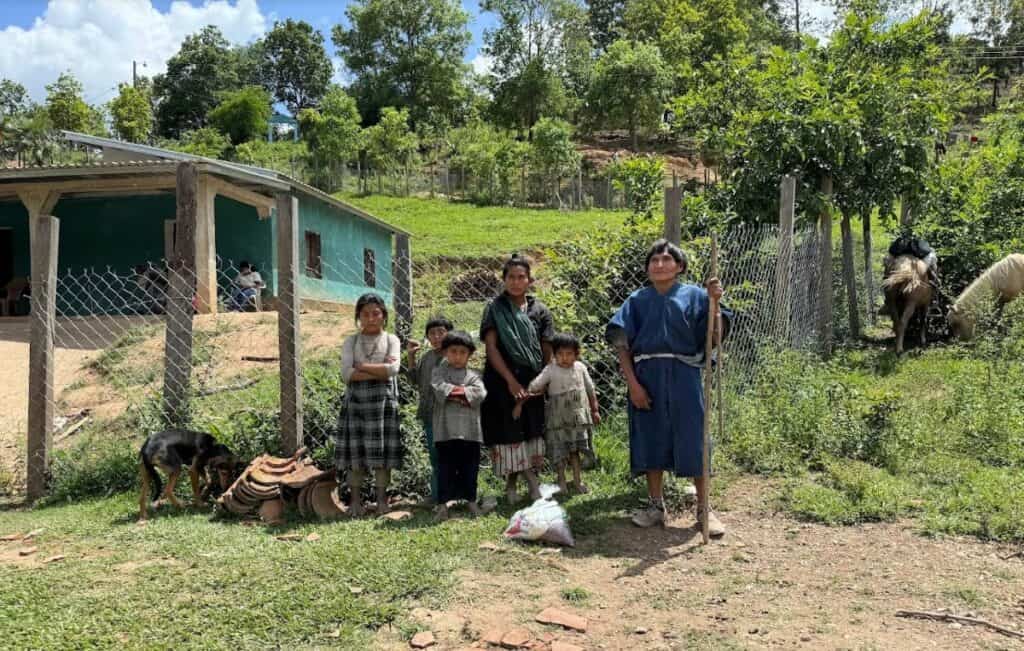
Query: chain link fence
{"points": [[112, 356]]}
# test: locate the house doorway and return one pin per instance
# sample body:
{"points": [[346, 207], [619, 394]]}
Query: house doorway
{"points": [[6, 256]]}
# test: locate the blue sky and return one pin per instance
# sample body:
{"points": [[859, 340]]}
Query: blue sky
{"points": [[97, 39]]}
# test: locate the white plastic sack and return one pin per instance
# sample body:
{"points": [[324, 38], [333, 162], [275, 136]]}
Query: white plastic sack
{"points": [[544, 521]]}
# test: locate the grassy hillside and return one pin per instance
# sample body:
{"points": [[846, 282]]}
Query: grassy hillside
{"points": [[464, 230]]}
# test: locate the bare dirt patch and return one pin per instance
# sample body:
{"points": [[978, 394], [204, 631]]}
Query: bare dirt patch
{"points": [[105, 362], [772, 582]]}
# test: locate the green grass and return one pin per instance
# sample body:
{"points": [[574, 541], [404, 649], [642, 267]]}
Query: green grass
{"points": [[187, 579], [440, 228], [937, 435]]}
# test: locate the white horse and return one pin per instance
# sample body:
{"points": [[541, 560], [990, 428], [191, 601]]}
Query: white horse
{"points": [[1003, 281]]}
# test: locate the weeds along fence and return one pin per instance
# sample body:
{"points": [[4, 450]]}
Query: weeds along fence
{"points": [[128, 359]]}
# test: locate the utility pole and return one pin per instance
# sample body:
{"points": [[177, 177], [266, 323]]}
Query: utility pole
{"points": [[135, 72], [797, 19]]}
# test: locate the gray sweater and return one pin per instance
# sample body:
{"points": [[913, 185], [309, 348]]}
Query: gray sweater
{"points": [[453, 420]]}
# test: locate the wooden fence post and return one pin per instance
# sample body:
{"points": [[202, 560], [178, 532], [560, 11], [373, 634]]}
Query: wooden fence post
{"points": [[288, 336], [181, 289], [41, 359], [825, 270], [401, 275], [869, 281], [783, 272], [673, 212], [850, 277]]}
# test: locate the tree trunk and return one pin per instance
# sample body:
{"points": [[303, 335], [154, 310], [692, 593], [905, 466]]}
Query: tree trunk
{"points": [[849, 277], [869, 279]]}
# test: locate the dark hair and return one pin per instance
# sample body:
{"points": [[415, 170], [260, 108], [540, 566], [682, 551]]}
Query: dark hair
{"points": [[243, 264], [371, 299], [515, 261], [438, 322], [664, 246], [458, 338], [564, 340]]}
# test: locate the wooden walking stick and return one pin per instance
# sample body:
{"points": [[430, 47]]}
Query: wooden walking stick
{"points": [[709, 341]]}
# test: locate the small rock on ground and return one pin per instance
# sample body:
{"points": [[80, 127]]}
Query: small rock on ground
{"points": [[517, 638], [397, 516], [562, 618], [565, 646], [493, 636], [27, 551], [422, 640]]}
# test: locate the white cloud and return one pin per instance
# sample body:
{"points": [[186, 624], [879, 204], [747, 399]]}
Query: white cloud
{"points": [[98, 39], [481, 64]]}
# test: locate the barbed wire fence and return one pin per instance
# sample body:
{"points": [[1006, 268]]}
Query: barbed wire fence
{"points": [[126, 364]]}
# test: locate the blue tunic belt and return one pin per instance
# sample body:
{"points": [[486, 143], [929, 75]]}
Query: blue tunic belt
{"points": [[668, 436]]}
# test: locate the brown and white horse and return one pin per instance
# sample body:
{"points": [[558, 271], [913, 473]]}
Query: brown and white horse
{"points": [[907, 292]]}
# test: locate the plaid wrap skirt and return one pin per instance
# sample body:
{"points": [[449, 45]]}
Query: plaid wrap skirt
{"points": [[368, 436]]}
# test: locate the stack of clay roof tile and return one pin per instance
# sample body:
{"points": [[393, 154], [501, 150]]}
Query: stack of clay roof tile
{"points": [[269, 481]]}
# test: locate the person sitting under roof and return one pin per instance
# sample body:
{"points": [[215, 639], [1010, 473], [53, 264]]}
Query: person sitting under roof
{"points": [[248, 284]]}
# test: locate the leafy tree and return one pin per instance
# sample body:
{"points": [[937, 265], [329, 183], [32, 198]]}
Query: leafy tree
{"points": [[863, 110], [295, 64], [390, 143], [14, 100], [281, 155], [29, 137], [202, 69], [541, 52], [641, 179], [605, 17], [554, 155], [972, 207], [332, 131], [243, 115], [65, 106], [406, 54], [687, 32], [132, 113], [629, 88], [208, 142]]}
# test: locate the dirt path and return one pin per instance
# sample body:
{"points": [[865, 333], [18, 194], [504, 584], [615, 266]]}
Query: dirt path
{"points": [[772, 582]]}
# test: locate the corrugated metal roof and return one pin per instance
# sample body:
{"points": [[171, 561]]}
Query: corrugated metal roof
{"points": [[272, 177], [92, 164]]}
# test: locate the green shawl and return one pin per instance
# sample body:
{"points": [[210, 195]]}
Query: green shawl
{"points": [[517, 333]]}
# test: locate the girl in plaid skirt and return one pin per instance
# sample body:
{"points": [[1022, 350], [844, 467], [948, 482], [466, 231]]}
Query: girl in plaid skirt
{"points": [[368, 435]]}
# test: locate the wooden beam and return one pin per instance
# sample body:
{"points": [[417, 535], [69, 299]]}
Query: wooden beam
{"points": [[41, 358], [288, 340], [130, 184], [263, 204], [38, 201], [206, 247], [178, 333], [168, 239]]}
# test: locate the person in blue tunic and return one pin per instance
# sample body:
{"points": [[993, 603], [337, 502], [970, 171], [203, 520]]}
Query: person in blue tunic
{"points": [[659, 333]]}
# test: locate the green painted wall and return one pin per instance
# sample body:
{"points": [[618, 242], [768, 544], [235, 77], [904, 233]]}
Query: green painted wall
{"points": [[343, 237], [115, 232], [242, 235], [14, 216], [121, 232]]}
